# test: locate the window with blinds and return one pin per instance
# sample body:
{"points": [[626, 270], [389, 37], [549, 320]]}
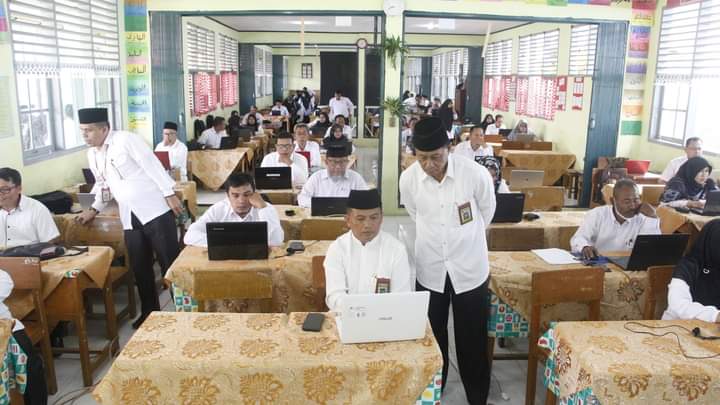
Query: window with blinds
{"points": [[201, 49], [498, 58], [538, 54], [228, 54], [79, 36], [268, 73], [583, 39]]}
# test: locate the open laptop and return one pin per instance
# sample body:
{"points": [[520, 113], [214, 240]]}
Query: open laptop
{"points": [[504, 132], [237, 240], [366, 318], [86, 200], [509, 207], [88, 175], [229, 142], [242, 133], [317, 131], [273, 178], [653, 250], [712, 205], [275, 112], [525, 138], [327, 206], [526, 178], [164, 158]]}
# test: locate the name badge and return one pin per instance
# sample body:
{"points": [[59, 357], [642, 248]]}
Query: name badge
{"points": [[106, 195], [382, 286], [465, 213]]}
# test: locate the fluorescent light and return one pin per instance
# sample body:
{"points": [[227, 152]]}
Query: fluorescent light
{"points": [[344, 21], [446, 24], [309, 22], [428, 26]]}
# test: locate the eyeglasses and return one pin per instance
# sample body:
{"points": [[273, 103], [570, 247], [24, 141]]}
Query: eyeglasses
{"points": [[283, 145], [6, 190], [338, 162]]}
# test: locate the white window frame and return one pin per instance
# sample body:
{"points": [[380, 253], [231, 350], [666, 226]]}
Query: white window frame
{"points": [[538, 54], [583, 45]]}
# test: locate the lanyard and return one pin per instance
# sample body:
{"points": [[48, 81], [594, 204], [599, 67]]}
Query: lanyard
{"points": [[104, 171]]}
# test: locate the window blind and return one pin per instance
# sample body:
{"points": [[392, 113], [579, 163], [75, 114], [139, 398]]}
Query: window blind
{"points": [[228, 54], [538, 54], [583, 39], [201, 49], [498, 58]]}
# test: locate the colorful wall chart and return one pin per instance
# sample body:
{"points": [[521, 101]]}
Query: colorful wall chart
{"points": [[636, 67], [138, 66], [3, 25]]}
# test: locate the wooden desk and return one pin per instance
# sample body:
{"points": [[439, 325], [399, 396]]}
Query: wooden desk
{"points": [[554, 164], [213, 166], [292, 223], [551, 230]]}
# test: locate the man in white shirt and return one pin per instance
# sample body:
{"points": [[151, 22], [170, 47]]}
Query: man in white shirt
{"points": [[126, 170], [365, 260], [177, 151], [494, 128], [614, 228], [253, 111], [279, 109], [693, 147], [452, 201], [285, 157], [342, 121], [243, 204], [340, 105], [303, 144], [23, 220], [335, 181], [475, 146], [212, 137]]}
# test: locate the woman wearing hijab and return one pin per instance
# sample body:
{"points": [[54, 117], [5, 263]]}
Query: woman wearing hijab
{"points": [[690, 186], [337, 136], [495, 168], [489, 119], [447, 115], [254, 125], [322, 121], [521, 128], [694, 291]]}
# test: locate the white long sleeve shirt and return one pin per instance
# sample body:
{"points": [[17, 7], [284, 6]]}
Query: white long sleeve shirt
{"points": [[135, 177], [314, 149], [222, 211], [283, 110], [211, 138], [178, 154], [465, 149], [443, 246], [342, 107], [351, 268], [321, 185], [682, 306], [601, 230], [30, 222], [493, 129], [6, 287], [299, 167], [672, 168]]}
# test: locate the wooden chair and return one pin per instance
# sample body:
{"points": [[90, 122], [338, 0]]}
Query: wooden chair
{"points": [[494, 138], [545, 198], [555, 287], [27, 276], [658, 279], [651, 193], [516, 145], [318, 282], [321, 229]]}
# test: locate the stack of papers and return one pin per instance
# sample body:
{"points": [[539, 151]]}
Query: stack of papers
{"points": [[555, 256]]}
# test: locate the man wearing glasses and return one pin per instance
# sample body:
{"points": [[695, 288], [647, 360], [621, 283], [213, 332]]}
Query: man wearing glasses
{"points": [[285, 157], [335, 181]]}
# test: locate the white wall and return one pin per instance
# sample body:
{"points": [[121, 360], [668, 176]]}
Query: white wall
{"points": [[295, 80]]}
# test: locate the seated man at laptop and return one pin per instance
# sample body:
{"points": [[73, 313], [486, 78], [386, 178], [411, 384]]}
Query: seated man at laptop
{"points": [[335, 181], [242, 204], [279, 109], [365, 260], [177, 151], [693, 148], [211, 137], [23, 220], [285, 157], [495, 127], [303, 144], [475, 146], [614, 228]]}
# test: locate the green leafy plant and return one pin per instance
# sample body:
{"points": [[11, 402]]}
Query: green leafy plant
{"points": [[393, 46], [395, 107]]}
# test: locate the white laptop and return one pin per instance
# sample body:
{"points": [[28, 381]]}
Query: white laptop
{"points": [[86, 200], [526, 178], [366, 318]]}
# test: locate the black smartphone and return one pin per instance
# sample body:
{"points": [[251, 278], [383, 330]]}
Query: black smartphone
{"points": [[290, 213], [313, 322]]}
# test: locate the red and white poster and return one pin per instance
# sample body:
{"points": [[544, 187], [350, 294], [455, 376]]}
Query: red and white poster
{"points": [[577, 93], [561, 93]]}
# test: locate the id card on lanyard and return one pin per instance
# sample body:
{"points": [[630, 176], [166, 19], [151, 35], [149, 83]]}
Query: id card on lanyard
{"points": [[105, 193]]}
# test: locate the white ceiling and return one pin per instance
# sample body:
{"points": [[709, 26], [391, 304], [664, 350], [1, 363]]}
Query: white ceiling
{"points": [[423, 25], [292, 23]]}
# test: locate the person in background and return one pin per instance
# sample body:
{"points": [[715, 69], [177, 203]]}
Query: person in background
{"points": [[126, 170], [614, 228], [337, 136], [475, 146], [253, 111], [23, 220], [304, 144], [253, 124], [694, 291], [322, 122], [495, 126], [447, 116], [209, 120], [212, 136], [340, 120], [693, 148], [243, 204], [406, 95], [690, 186], [279, 109], [407, 134], [340, 105], [492, 164], [285, 157], [177, 151], [434, 108], [233, 121], [365, 260], [487, 121], [198, 128], [335, 181], [521, 128]]}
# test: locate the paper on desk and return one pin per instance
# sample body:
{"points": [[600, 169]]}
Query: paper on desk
{"points": [[555, 256]]}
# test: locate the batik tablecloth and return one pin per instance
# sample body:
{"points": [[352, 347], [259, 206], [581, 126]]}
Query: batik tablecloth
{"points": [[673, 221], [214, 166], [188, 193], [292, 224], [551, 230], [554, 164], [13, 367], [604, 363], [249, 359]]}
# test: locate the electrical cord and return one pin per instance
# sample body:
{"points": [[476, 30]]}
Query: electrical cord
{"points": [[695, 332]]}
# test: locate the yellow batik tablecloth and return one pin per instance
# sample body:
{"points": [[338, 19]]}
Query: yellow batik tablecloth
{"points": [[214, 166], [604, 363], [188, 193], [292, 223], [673, 221], [554, 164], [196, 358], [551, 230], [511, 280]]}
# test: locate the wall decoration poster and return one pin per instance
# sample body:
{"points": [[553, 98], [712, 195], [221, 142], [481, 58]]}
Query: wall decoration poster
{"points": [[512, 88], [135, 15], [677, 3], [634, 81], [3, 25], [636, 66], [578, 91], [639, 42], [643, 4], [630, 127], [642, 18], [561, 94], [138, 66]]}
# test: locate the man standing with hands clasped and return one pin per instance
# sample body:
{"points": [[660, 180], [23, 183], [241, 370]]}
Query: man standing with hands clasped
{"points": [[126, 170], [452, 201]]}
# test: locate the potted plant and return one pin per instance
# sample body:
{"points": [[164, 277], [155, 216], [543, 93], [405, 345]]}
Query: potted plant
{"points": [[395, 107], [393, 47]]}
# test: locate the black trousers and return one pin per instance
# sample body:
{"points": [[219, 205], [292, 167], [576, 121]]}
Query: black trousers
{"points": [[470, 315], [36, 392], [158, 236]]}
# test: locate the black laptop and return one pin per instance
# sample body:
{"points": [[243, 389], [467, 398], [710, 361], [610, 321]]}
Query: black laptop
{"points": [[229, 142], [712, 205], [327, 206], [509, 207], [318, 131], [237, 240], [653, 250], [273, 178], [504, 132], [275, 112], [243, 133], [88, 175]]}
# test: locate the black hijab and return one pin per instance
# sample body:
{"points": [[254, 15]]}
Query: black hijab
{"points": [[684, 187], [446, 114], [491, 162], [700, 268]]}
